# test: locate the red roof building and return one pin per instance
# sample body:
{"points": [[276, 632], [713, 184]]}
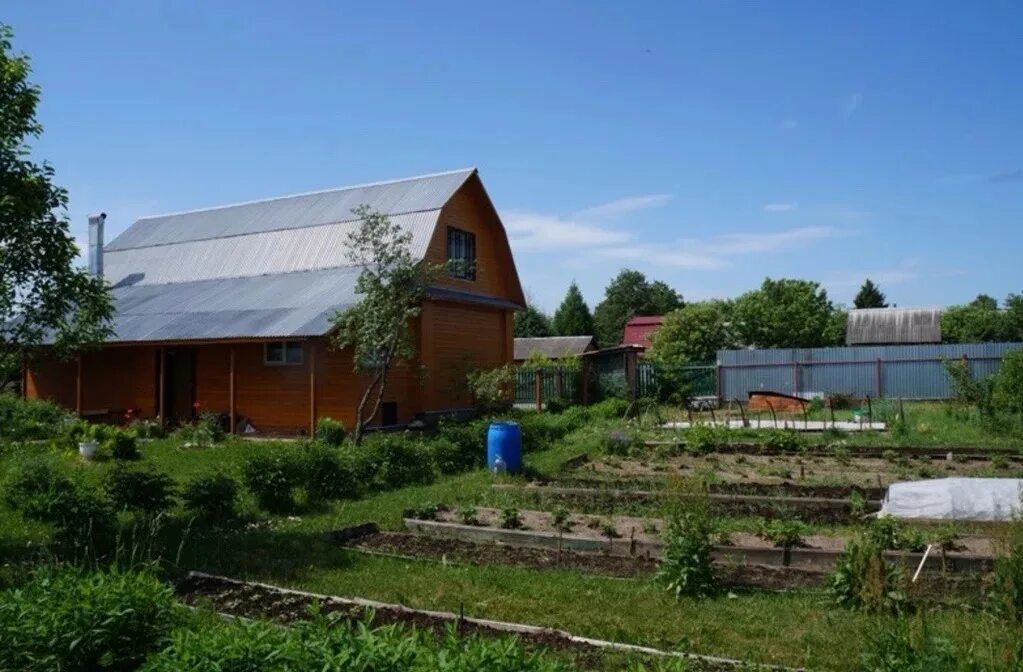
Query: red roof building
{"points": [[640, 330]]}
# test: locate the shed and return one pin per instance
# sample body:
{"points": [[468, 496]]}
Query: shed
{"points": [[640, 329], [552, 347], [893, 326]]}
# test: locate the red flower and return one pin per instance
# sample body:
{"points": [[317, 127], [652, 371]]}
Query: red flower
{"points": [[197, 405]]}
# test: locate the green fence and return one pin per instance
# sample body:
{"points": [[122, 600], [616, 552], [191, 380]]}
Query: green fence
{"points": [[556, 382]]}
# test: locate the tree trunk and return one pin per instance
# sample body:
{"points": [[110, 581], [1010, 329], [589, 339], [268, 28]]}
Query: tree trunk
{"points": [[360, 423]]}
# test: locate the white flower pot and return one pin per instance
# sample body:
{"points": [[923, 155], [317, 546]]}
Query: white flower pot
{"points": [[87, 449]]}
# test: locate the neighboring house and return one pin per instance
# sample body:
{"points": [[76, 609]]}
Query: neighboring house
{"points": [[893, 326], [640, 330], [553, 347], [228, 309]]}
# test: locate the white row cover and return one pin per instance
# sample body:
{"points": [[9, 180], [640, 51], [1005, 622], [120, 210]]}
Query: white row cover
{"points": [[956, 499]]}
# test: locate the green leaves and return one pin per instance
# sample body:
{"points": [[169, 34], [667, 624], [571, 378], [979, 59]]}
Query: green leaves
{"points": [[572, 318]]}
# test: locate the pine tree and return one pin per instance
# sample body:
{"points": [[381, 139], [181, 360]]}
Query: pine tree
{"points": [[531, 322], [870, 296], [572, 318]]}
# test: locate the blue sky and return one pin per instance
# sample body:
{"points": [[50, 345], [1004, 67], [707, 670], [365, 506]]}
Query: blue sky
{"points": [[706, 144]]}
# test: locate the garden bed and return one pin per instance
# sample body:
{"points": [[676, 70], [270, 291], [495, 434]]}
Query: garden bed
{"points": [[826, 450], [249, 599]]}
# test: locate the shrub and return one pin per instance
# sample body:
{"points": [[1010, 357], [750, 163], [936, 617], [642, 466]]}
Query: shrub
{"points": [[469, 437], [451, 458], [1006, 593], [966, 391], [782, 440], [211, 498], [331, 432], [68, 620], [147, 429], [273, 475], [82, 518], [618, 442], [542, 430], [784, 532], [611, 408], [30, 419], [864, 579], [1008, 389], [328, 476], [903, 645], [206, 431], [685, 566], [702, 438], [144, 490], [510, 519], [397, 460], [492, 388], [122, 444]]}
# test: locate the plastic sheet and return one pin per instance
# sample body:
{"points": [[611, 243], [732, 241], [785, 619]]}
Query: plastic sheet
{"points": [[997, 499]]}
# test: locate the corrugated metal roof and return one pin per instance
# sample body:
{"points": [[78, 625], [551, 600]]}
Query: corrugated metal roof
{"points": [[282, 305], [280, 251], [893, 326], [414, 194], [552, 346]]}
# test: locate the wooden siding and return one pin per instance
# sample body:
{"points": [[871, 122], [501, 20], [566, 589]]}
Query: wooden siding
{"points": [[470, 210], [113, 379]]}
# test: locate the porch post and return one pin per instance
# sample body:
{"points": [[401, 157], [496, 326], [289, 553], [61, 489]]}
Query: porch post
{"points": [[78, 388], [162, 407], [230, 391], [312, 389]]}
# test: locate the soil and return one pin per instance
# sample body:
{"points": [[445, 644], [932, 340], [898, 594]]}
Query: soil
{"points": [[649, 530], [248, 600]]}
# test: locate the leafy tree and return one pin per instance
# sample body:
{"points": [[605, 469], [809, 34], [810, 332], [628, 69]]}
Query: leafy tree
{"points": [[663, 299], [572, 318], [784, 313], [531, 322], [834, 331], [43, 297], [392, 286], [1013, 317], [693, 334], [870, 296], [630, 294], [979, 321]]}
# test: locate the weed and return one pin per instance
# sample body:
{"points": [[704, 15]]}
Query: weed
{"points": [[685, 566], [560, 519], [609, 530], [468, 515], [510, 519]]}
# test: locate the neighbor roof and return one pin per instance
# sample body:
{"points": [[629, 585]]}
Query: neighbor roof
{"points": [[640, 329], [893, 326], [272, 268], [552, 347]]}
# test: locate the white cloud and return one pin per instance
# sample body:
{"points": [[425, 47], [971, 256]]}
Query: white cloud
{"points": [[774, 241], [535, 231], [789, 125], [906, 270], [781, 207], [850, 104], [624, 206]]}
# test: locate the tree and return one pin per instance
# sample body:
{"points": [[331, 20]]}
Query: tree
{"points": [[693, 334], [531, 322], [1013, 317], [44, 299], [784, 313], [572, 318], [391, 286], [870, 296], [979, 321], [630, 294]]}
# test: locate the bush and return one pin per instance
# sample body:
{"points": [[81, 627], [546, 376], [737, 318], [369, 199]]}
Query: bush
{"points": [[890, 534], [1008, 389], [144, 490], [206, 431], [781, 440], [211, 498], [706, 438], [81, 517], [864, 579], [272, 475], [510, 519], [542, 430], [1006, 593], [328, 476], [331, 432], [492, 388], [122, 444], [901, 645], [31, 419], [612, 408], [69, 620], [685, 566], [618, 442], [147, 429], [452, 458], [397, 460]]}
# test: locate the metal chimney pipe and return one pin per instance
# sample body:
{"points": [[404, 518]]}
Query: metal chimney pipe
{"points": [[96, 243]]}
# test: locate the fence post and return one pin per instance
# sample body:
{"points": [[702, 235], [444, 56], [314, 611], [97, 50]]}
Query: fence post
{"points": [[877, 379], [795, 379], [630, 373], [717, 380], [584, 391], [559, 384], [538, 388]]}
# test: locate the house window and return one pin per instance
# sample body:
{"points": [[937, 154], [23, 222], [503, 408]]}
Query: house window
{"points": [[283, 353], [461, 254]]}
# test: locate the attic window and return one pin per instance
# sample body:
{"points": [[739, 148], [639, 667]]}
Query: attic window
{"points": [[283, 353], [461, 254]]}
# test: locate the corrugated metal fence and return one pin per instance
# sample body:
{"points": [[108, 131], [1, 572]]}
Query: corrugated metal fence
{"points": [[903, 371]]}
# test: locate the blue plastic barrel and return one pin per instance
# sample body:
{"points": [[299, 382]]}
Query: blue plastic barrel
{"points": [[504, 439]]}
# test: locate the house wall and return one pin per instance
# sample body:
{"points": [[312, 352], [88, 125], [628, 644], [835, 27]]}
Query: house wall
{"points": [[113, 379]]}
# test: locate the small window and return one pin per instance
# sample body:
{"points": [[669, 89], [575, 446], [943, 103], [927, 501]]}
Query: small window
{"points": [[461, 254], [283, 352]]}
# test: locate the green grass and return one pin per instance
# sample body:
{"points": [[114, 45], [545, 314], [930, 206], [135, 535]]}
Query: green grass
{"points": [[798, 628]]}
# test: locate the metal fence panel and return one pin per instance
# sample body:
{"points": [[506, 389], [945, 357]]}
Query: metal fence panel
{"points": [[906, 371]]}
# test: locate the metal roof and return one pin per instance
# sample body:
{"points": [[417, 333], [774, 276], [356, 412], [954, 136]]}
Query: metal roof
{"points": [[552, 346], [893, 326], [414, 194], [266, 269]]}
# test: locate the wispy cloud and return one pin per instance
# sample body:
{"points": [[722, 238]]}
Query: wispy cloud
{"points": [[1009, 176], [623, 206], [781, 207], [907, 270], [789, 125], [850, 104], [718, 251]]}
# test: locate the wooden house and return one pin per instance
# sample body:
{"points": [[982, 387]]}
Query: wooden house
{"points": [[228, 309]]}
